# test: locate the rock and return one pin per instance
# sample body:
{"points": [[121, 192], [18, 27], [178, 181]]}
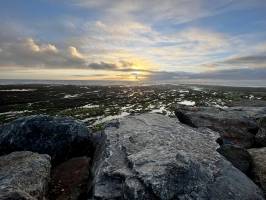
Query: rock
{"points": [[151, 156], [24, 175], [238, 156], [15, 195], [236, 125], [70, 179], [61, 138], [259, 166], [260, 137]]}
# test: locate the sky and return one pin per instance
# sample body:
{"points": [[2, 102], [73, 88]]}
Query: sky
{"points": [[133, 40]]}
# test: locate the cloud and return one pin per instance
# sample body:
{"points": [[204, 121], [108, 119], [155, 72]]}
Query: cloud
{"points": [[29, 53], [169, 50], [103, 66], [248, 61], [31, 45], [74, 53], [175, 11], [166, 76], [121, 66], [234, 74]]}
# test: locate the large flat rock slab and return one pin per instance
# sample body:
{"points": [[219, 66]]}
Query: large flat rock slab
{"points": [[24, 175], [151, 156]]}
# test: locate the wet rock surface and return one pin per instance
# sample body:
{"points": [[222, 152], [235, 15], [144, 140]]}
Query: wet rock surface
{"points": [[259, 166], [151, 156], [61, 138], [24, 175], [69, 180], [236, 125]]}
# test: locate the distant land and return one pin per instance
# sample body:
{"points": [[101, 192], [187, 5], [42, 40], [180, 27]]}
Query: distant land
{"points": [[214, 82]]}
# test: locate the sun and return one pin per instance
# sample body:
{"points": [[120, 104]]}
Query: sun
{"points": [[136, 74]]}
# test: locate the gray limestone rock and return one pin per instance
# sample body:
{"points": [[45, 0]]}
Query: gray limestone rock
{"points": [[151, 156], [24, 175], [236, 125]]}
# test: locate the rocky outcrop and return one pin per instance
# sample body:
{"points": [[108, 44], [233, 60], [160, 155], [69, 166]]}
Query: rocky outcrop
{"points": [[61, 138], [24, 176], [238, 156], [259, 166], [260, 137], [237, 125], [70, 179], [152, 156]]}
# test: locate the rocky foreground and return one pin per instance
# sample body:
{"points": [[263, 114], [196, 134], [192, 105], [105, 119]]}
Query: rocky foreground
{"points": [[213, 153]]}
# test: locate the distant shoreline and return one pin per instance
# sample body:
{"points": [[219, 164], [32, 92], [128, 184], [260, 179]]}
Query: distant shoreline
{"points": [[207, 82]]}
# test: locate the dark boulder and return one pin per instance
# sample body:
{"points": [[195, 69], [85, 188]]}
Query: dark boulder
{"points": [[61, 138], [24, 176], [236, 125], [152, 156], [238, 156]]}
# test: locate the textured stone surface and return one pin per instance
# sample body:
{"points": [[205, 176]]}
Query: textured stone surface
{"points": [[152, 156], [236, 125], [260, 137], [259, 166], [61, 138], [15, 195], [24, 175], [238, 156], [70, 179]]}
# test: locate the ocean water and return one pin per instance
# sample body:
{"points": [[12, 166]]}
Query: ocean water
{"points": [[233, 83]]}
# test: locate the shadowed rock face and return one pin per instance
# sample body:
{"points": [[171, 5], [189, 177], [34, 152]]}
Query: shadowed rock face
{"points": [[151, 156], [259, 166], [260, 137], [70, 179], [61, 138], [238, 156], [24, 176], [236, 125]]}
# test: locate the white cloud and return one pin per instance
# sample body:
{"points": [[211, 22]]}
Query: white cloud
{"points": [[74, 53], [33, 46], [28, 53]]}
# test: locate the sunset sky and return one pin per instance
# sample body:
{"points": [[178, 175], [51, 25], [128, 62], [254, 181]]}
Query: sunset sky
{"points": [[132, 39]]}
